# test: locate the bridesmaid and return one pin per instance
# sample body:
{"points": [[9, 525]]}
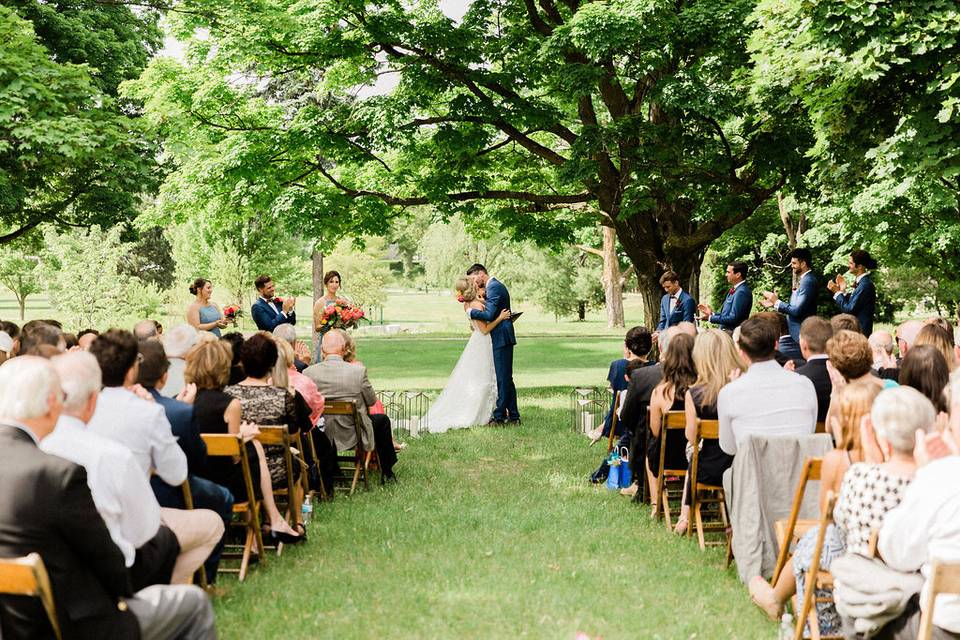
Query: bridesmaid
{"points": [[203, 314], [331, 282]]}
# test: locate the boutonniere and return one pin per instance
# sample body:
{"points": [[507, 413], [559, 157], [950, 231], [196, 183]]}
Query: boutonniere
{"points": [[278, 300], [732, 289]]}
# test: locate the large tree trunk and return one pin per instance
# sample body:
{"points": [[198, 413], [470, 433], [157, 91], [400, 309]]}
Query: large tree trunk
{"points": [[317, 259], [612, 280]]}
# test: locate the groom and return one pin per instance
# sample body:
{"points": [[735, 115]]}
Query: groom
{"points": [[503, 339], [266, 311]]}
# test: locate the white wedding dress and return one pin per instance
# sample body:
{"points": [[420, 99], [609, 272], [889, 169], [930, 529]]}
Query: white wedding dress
{"points": [[470, 394]]}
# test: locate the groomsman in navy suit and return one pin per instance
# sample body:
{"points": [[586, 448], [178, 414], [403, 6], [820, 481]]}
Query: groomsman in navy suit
{"points": [[266, 312], [803, 299], [736, 306], [676, 306], [862, 301]]}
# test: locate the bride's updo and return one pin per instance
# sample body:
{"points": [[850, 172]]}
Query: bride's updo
{"points": [[466, 290]]}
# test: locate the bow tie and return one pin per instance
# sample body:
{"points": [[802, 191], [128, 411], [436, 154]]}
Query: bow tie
{"points": [[673, 297]]}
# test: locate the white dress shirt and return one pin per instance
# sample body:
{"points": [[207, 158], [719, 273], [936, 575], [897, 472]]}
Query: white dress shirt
{"points": [[280, 312], [766, 400], [925, 527], [141, 426], [674, 299], [120, 490]]}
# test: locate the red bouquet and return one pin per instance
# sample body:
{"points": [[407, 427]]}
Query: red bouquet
{"points": [[341, 315], [232, 312]]}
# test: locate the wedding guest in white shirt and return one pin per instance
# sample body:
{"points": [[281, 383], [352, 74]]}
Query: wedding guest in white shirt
{"points": [[766, 400], [141, 425]]}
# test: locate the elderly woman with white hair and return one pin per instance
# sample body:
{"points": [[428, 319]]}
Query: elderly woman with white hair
{"points": [[302, 357]]}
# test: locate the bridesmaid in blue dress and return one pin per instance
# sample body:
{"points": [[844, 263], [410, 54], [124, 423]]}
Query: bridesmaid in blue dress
{"points": [[203, 314], [331, 282]]}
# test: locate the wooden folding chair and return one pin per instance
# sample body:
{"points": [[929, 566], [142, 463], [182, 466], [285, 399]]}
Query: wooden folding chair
{"points": [[279, 436], [229, 445], [821, 427], [27, 576], [791, 530], [359, 460], [707, 430], [614, 422], [944, 579], [188, 504], [816, 579], [314, 461], [672, 421]]}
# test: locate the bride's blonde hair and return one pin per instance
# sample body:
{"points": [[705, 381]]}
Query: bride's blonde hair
{"points": [[466, 289]]}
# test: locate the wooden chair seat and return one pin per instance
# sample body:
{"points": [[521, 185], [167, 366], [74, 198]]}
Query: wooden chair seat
{"points": [[27, 576], [944, 579], [817, 578], [231, 446]]}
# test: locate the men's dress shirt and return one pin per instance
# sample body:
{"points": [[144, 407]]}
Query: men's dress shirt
{"points": [[766, 400], [924, 527], [120, 491], [175, 381], [674, 299], [180, 416], [141, 426]]}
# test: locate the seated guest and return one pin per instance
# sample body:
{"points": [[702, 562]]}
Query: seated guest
{"points": [[12, 330], [36, 334], [338, 380], [868, 490], [69, 341], [644, 375], [788, 349], [766, 400], [669, 395], [302, 357], [206, 494], [814, 334], [850, 361], [176, 343], [6, 346], [715, 359], [262, 402], [925, 370], [299, 382], [881, 342], [208, 367], [845, 322], [617, 378], [350, 356], [940, 339], [142, 426], [46, 508], [235, 339], [145, 330]]}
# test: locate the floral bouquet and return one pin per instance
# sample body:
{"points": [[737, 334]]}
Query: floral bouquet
{"points": [[341, 315], [232, 312]]}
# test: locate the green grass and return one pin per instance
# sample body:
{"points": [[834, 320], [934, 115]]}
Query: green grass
{"points": [[492, 533], [425, 363]]}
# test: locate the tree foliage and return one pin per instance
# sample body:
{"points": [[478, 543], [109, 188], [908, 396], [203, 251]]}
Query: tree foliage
{"points": [[69, 153], [363, 273]]}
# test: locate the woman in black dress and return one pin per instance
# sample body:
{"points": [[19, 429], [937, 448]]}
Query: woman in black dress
{"points": [[716, 359], [208, 366], [669, 395]]}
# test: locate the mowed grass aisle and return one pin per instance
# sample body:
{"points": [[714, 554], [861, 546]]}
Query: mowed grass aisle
{"points": [[492, 533]]}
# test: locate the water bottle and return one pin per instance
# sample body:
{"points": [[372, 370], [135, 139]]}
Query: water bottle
{"points": [[306, 510], [786, 627]]}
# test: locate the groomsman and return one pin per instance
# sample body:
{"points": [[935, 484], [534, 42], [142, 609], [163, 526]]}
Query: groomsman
{"points": [[803, 299], [267, 312], [676, 306], [737, 304], [862, 301]]}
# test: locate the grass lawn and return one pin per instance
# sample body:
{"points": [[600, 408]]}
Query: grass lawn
{"points": [[425, 363], [492, 533]]}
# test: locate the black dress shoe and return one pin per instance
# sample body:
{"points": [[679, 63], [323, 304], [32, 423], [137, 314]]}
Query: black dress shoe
{"points": [[515, 422], [496, 423]]}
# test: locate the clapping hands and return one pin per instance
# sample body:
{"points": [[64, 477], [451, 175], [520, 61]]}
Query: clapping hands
{"points": [[837, 285], [289, 304], [705, 310], [769, 299]]}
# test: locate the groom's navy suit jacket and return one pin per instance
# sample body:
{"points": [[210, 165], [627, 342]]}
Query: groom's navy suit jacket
{"points": [[266, 318], [861, 302], [498, 299], [684, 311], [736, 308]]}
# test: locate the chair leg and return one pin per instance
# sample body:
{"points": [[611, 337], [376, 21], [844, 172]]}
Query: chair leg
{"points": [[245, 558], [698, 518]]}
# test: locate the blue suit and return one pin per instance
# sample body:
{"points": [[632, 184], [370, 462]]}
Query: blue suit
{"points": [[684, 311], [861, 302], [736, 308], [267, 315], [803, 304], [503, 339]]}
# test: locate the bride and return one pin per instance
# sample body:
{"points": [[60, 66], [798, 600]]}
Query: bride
{"points": [[471, 391]]}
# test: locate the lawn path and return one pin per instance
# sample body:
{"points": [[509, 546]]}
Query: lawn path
{"points": [[492, 533]]}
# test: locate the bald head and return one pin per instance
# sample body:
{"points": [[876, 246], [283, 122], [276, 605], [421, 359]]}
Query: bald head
{"points": [[881, 343], [907, 335], [145, 329], [334, 343]]}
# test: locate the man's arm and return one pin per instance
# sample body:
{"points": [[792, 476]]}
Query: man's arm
{"points": [[169, 461], [728, 442], [369, 395], [806, 296], [855, 301], [489, 313], [84, 531], [904, 536], [664, 309], [139, 510]]}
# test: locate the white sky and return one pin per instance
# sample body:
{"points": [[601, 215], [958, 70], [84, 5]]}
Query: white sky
{"points": [[453, 9]]}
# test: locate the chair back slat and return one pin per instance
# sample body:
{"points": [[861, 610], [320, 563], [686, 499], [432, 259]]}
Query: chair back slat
{"points": [[339, 408], [274, 435], [944, 579], [807, 613], [675, 420], [221, 444], [708, 429]]}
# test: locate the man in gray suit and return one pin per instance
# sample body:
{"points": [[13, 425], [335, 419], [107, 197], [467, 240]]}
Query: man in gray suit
{"points": [[339, 380]]}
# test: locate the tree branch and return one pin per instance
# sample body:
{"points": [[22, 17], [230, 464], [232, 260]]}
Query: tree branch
{"points": [[25, 229]]}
